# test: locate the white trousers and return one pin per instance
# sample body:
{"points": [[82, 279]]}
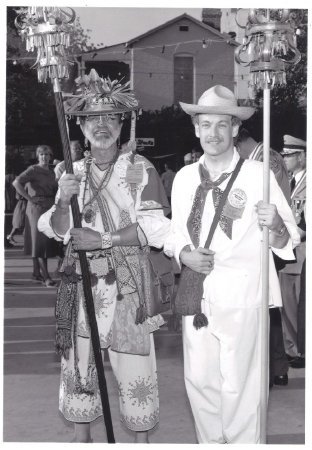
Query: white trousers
{"points": [[222, 365], [136, 376]]}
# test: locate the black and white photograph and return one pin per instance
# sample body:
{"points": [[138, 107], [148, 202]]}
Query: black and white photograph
{"points": [[154, 228]]}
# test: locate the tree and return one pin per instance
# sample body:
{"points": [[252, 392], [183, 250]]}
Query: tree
{"points": [[30, 109]]}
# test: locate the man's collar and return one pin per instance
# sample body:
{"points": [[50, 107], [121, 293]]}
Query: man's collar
{"points": [[299, 175], [232, 164]]}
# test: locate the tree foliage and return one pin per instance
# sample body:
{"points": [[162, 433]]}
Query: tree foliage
{"points": [[30, 108]]}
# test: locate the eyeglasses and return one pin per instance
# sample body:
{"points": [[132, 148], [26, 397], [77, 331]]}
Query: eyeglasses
{"points": [[101, 118]]}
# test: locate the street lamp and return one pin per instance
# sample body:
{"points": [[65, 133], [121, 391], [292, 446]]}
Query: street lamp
{"points": [[268, 48], [46, 29]]}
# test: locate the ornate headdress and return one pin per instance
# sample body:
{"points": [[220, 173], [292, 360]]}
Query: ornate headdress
{"points": [[95, 96]]}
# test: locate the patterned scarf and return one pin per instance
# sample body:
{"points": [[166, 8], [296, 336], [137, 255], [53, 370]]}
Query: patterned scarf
{"points": [[195, 218]]}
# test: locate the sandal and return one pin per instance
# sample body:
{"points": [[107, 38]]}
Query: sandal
{"points": [[11, 240]]}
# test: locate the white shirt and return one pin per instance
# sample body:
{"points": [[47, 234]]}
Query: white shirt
{"points": [[299, 175], [236, 277]]}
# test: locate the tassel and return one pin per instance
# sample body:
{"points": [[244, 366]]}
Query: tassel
{"points": [[94, 279], [110, 277], [63, 342], [69, 279], [140, 315], [81, 389], [200, 320]]}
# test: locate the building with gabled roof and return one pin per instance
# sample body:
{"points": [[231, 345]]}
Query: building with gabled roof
{"points": [[173, 62]]}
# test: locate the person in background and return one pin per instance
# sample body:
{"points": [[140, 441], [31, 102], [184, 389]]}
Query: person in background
{"points": [[18, 220], [294, 153], [76, 152], [299, 361], [221, 332], [188, 159], [10, 194], [167, 178], [40, 193], [249, 148], [195, 155]]}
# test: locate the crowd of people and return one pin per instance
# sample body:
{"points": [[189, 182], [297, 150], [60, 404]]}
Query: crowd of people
{"points": [[125, 210]]}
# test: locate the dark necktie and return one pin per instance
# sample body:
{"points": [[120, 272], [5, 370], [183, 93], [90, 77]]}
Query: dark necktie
{"points": [[292, 184], [195, 217]]}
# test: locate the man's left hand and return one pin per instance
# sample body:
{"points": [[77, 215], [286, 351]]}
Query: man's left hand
{"points": [[86, 239], [268, 216]]}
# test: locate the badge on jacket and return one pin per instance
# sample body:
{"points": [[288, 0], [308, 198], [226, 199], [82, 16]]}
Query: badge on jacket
{"points": [[235, 204], [134, 174]]}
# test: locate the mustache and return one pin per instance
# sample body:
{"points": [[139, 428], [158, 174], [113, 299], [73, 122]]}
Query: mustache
{"points": [[209, 140], [102, 129]]}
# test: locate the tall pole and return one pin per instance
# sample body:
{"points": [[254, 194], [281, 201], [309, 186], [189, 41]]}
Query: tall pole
{"points": [[269, 44], [265, 271], [47, 29], [133, 113]]}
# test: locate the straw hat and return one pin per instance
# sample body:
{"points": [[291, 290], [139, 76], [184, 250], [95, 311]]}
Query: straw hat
{"points": [[218, 100], [95, 96], [293, 145]]}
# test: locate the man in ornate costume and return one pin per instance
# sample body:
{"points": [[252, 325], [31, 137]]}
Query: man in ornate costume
{"points": [[122, 202], [221, 327]]}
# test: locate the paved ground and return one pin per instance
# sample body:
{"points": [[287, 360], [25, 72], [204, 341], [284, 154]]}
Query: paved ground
{"points": [[31, 375]]}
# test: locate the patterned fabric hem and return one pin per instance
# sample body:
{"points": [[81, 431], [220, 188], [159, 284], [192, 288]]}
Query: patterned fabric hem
{"points": [[140, 427], [80, 419]]}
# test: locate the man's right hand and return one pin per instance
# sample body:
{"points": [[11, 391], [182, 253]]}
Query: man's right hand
{"points": [[200, 260], [69, 186]]}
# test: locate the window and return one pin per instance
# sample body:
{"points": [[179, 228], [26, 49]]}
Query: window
{"points": [[183, 28], [183, 79]]}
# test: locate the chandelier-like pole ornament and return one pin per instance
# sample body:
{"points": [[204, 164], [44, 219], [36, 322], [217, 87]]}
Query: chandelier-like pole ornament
{"points": [[270, 45], [46, 30], [268, 48]]}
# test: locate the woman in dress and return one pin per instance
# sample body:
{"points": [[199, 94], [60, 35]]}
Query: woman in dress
{"points": [[41, 189]]}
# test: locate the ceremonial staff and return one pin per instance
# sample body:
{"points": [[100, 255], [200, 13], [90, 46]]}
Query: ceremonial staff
{"points": [[47, 29], [269, 46]]}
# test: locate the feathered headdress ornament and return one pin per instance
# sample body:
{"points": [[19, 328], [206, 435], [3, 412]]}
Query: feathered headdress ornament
{"points": [[96, 95]]}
